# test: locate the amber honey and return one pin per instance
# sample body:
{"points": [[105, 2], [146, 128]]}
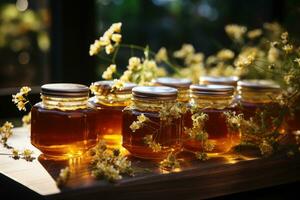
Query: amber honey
{"points": [[214, 101], [149, 101], [62, 125], [258, 101], [109, 104]]}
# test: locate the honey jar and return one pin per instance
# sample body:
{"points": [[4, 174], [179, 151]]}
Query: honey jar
{"points": [[205, 123], [63, 125], [258, 101], [109, 103], [151, 126]]}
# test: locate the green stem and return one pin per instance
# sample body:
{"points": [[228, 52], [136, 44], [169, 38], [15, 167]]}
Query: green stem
{"points": [[115, 54]]}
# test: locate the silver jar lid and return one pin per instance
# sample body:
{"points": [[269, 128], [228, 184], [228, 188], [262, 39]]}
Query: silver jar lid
{"points": [[219, 80], [179, 83], [154, 93], [258, 85], [65, 90], [104, 87], [212, 90]]}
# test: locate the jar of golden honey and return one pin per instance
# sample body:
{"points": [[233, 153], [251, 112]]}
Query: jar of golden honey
{"points": [[151, 126], [205, 123], [109, 103], [63, 125], [258, 102], [181, 84]]}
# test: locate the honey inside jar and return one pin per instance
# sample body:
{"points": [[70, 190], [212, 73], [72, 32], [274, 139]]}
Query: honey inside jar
{"points": [[109, 103], [258, 101], [62, 124], [205, 123], [151, 127]]}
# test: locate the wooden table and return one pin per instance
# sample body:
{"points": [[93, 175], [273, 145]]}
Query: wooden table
{"points": [[195, 180]]}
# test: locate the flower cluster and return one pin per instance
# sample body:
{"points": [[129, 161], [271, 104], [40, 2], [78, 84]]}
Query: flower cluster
{"points": [[193, 61], [26, 154], [63, 177], [139, 71], [235, 32], [161, 55], [110, 39], [108, 73], [170, 162], [155, 146], [109, 164], [141, 119], [20, 99], [6, 132]]}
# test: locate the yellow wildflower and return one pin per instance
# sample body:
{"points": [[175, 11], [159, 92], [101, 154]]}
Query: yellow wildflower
{"points": [[196, 58], [225, 54], [27, 154], [26, 119], [117, 84], [15, 154], [142, 118], [284, 37], [20, 98], [185, 50], [170, 162], [107, 74], [273, 54], [297, 60], [244, 61], [288, 48], [161, 55], [254, 33], [235, 32], [134, 62], [63, 176], [156, 147], [108, 41]]}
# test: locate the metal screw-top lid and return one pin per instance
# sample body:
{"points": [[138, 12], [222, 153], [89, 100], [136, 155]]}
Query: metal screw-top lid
{"points": [[212, 90], [65, 90], [154, 93], [219, 80], [180, 83], [258, 85], [106, 86]]}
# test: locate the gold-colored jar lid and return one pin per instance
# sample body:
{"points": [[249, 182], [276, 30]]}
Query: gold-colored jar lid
{"points": [[258, 85], [154, 93], [105, 88], [219, 80], [212, 90], [179, 83], [65, 90]]}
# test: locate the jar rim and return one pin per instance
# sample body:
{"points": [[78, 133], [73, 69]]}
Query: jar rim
{"points": [[213, 90], [65, 90], [154, 92], [219, 80], [174, 82]]}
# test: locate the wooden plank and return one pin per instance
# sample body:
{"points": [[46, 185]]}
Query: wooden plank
{"points": [[215, 177]]}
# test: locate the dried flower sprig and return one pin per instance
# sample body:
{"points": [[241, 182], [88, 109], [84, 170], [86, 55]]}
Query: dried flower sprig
{"points": [[63, 177], [109, 164], [20, 99], [26, 154], [141, 119], [6, 132], [170, 163], [155, 146]]}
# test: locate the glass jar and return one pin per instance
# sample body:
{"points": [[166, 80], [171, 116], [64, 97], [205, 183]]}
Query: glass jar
{"points": [[205, 123], [181, 84], [151, 126], [63, 125], [257, 101], [109, 103]]}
